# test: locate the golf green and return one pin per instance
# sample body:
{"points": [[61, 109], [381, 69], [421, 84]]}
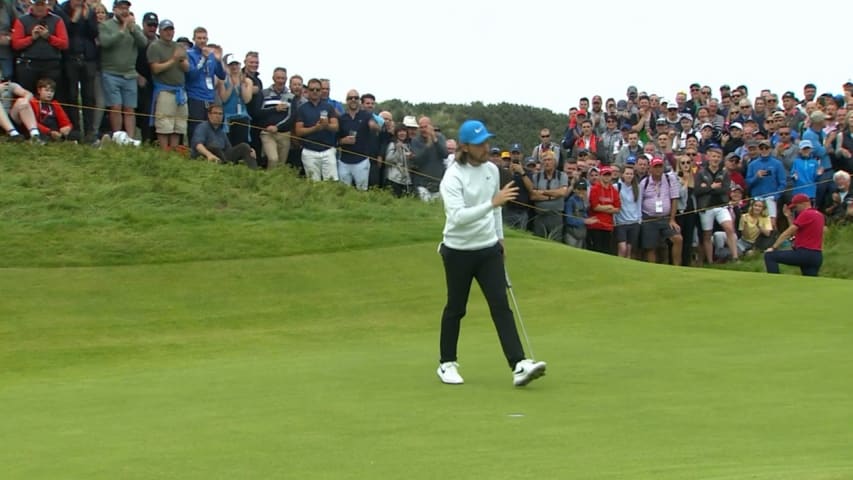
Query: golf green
{"points": [[323, 367]]}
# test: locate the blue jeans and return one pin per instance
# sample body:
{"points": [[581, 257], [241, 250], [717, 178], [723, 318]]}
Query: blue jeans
{"points": [[809, 261], [358, 173]]}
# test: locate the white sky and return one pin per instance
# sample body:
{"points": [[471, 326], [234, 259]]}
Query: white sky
{"points": [[546, 53]]}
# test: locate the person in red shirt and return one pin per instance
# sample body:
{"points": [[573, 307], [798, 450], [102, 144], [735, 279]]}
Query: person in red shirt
{"points": [[53, 123], [604, 202], [808, 243]]}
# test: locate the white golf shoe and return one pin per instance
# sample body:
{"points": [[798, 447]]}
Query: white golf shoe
{"points": [[448, 373], [526, 371]]}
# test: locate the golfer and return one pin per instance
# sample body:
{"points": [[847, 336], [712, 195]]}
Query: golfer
{"points": [[473, 248], [807, 230]]}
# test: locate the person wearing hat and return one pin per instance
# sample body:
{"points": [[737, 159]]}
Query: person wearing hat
{"points": [[120, 41], [805, 171], [516, 214], [766, 178], [806, 226], [169, 65], [659, 195], [38, 38], [472, 248], [815, 134], [577, 215], [604, 203], [793, 117]]}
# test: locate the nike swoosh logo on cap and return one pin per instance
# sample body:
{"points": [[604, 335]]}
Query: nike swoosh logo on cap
{"points": [[478, 130]]}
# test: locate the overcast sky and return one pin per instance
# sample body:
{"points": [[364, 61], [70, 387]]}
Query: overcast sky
{"points": [[545, 53]]}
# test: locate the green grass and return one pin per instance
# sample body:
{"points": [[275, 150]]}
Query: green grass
{"points": [[175, 359]]}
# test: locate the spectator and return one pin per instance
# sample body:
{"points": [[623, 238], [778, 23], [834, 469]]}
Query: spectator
{"points": [[317, 125], [597, 116], [53, 123], [275, 119], [545, 144], [516, 213], [756, 231], [430, 149], [659, 204], [805, 172], [732, 164], [838, 196], [376, 139], [687, 215], [632, 149], [397, 158], [588, 141], [807, 231], [817, 136], [712, 188], [234, 93], [251, 63], [210, 141], [205, 71], [765, 177], [169, 65], [354, 136], [794, 116], [843, 144], [326, 89], [39, 38], [144, 79], [7, 20], [610, 139], [81, 66], [627, 220], [577, 216], [548, 189], [15, 109], [604, 203], [732, 139], [120, 40]]}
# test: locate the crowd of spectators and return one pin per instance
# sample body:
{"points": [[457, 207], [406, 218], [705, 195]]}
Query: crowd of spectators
{"points": [[696, 178], [699, 178]]}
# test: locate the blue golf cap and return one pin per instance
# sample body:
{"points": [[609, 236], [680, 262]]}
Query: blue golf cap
{"points": [[473, 132]]}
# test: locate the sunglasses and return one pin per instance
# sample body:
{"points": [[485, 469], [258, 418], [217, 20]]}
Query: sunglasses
{"points": [[314, 89], [353, 97], [544, 136]]}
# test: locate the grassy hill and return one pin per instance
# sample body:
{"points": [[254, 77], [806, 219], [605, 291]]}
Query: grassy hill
{"points": [[162, 318]]}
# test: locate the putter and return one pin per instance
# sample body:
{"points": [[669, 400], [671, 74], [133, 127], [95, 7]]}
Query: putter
{"points": [[518, 314]]}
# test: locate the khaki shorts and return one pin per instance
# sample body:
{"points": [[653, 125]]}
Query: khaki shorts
{"points": [[169, 117]]}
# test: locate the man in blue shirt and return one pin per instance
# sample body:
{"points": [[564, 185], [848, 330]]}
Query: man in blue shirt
{"points": [[205, 68], [816, 136], [317, 126], [211, 142], [354, 135], [766, 178]]}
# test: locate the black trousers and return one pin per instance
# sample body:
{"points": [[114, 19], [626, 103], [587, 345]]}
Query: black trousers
{"points": [[241, 153], [80, 92], [144, 97], [487, 266], [600, 241], [197, 113], [29, 72]]}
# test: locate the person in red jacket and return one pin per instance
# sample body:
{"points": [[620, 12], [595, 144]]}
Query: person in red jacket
{"points": [[604, 202], [53, 122], [38, 38]]}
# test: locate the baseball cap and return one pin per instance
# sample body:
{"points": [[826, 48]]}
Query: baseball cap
{"points": [[818, 116], [515, 147], [764, 142], [474, 132], [581, 112], [790, 95], [632, 89], [631, 160], [115, 3], [737, 125], [494, 150], [150, 18], [530, 161], [605, 170], [505, 154], [706, 125], [672, 106], [751, 143], [583, 151], [735, 186], [656, 161], [805, 144], [621, 105], [186, 41], [686, 116], [581, 184], [165, 23], [661, 121], [800, 198]]}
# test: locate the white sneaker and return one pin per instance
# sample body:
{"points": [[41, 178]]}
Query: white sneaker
{"points": [[526, 371], [449, 374]]}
